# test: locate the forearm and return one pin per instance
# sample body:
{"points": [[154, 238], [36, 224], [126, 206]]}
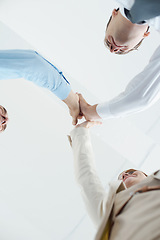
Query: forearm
{"points": [[140, 93], [92, 190]]}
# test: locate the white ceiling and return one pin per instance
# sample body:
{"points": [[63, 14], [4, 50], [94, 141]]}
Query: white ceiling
{"points": [[39, 198]]}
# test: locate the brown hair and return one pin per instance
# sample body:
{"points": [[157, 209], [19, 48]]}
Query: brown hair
{"points": [[3, 127]]}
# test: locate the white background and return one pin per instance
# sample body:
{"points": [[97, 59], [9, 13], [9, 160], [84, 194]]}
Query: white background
{"points": [[39, 198]]}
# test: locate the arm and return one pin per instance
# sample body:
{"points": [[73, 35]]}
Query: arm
{"points": [[30, 65], [140, 93], [93, 192]]}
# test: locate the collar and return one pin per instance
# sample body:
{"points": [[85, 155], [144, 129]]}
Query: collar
{"points": [[125, 13], [156, 174]]}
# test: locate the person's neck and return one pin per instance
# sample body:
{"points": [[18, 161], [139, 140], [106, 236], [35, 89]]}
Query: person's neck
{"points": [[133, 28]]}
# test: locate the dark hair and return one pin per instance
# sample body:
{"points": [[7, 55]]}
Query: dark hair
{"points": [[3, 127], [4, 112], [135, 47]]}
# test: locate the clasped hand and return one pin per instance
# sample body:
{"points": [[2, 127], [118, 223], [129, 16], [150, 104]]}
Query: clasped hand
{"points": [[82, 109]]}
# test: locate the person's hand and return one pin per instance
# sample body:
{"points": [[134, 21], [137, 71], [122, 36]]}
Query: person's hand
{"points": [[74, 111], [88, 111], [72, 101], [88, 124]]}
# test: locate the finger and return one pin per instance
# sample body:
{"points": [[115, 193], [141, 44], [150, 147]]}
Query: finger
{"points": [[83, 106], [84, 124], [74, 121], [93, 123], [80, 117], [81, 98]]}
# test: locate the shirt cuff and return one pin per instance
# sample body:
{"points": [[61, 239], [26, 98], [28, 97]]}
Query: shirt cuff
{"points": [[79, 131], [63, 90], [103, 111]]}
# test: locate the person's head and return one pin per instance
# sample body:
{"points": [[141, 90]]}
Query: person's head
{"points": [[131, 177], [122, 36], [3, 118]]}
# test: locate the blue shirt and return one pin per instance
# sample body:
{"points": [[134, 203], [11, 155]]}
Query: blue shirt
{"points": [[30, 65]]}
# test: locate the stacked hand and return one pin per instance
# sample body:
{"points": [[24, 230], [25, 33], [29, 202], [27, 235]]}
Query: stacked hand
{"points": [[79, 108], [72, 101], [88, 111]]}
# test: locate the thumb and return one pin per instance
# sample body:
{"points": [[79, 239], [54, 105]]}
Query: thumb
{"points": [[93, 123], [74, 121], [81, 98]]}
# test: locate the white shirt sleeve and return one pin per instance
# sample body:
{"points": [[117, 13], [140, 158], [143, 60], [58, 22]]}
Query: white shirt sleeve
{"points": [[140, 93], [92, 191]]}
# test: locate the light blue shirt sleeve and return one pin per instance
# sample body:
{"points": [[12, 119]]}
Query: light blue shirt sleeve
{"points": [[33, 67]]}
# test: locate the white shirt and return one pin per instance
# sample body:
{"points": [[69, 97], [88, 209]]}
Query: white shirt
{"points": [[143, 90]]}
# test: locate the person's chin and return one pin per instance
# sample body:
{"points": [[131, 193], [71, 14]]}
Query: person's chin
{"points": [[129, 182]]}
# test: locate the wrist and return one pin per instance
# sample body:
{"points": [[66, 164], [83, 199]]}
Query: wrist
{"points": [[95, 115], [72, 101]]}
